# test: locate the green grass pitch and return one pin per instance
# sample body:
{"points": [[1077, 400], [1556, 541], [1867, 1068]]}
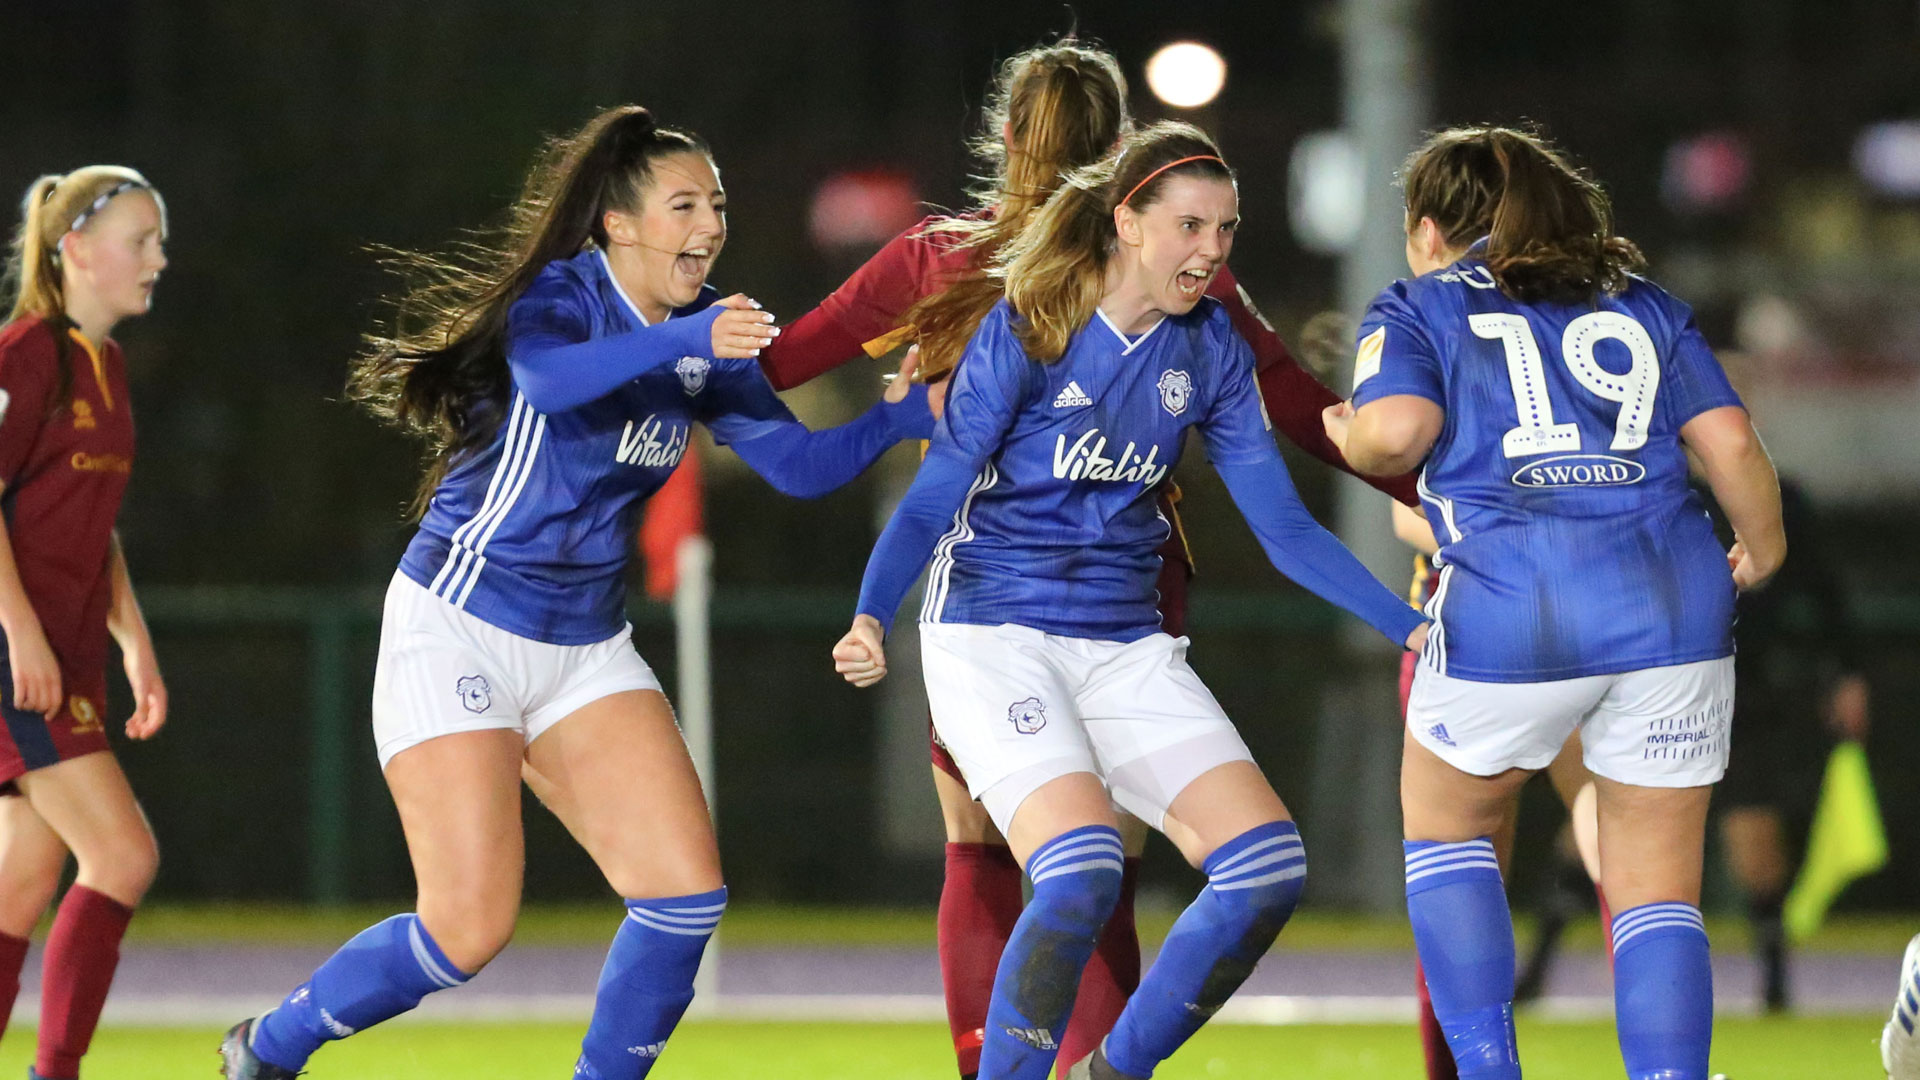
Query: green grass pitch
{"points": [[1746, 1049]]}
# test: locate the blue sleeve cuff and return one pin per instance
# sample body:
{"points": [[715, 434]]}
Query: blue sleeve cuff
{"points": [[808, 464]]}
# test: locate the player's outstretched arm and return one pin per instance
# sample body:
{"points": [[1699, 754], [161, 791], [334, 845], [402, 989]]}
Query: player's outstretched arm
{"points": [[808, 464], [1740, 473], [559, 366], [861, 318], [1303, 550]]}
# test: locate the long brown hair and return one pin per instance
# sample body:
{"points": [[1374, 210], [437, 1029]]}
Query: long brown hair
{"points": [[1055, 272], [1548, 224], [48, 211], [438, 368], [1064, 104]]}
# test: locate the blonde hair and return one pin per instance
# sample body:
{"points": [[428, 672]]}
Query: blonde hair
{"points": [[52, 206], [1064, 106], [1055, 271]]}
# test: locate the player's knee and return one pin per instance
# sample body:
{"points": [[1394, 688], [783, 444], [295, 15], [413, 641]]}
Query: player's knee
{"points": [[638, 879], [470, 934], [1260, 873], [1076, 878], [1082, 901], [122, 867], [1271, 902]]}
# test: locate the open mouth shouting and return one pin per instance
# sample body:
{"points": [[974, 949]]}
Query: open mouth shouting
{"points": [[1193, 282], [693, 263]]}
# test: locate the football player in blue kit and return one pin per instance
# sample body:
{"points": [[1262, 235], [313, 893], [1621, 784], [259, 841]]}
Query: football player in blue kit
{"points": [[1556, 399], [560, 386], [1049, 676]]}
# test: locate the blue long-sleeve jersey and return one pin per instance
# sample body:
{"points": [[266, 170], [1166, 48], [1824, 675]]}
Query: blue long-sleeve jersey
{"points": [[1035, 501], [1570, 543], [533, 533]]}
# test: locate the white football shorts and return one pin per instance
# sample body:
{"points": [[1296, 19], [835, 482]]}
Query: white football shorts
{"points": [[442, 671], [1668, 727], [1018, 707]]}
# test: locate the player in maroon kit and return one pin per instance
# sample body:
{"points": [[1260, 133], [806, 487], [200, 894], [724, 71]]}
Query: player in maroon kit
{"points": [[1053, 108], [87, 255]]}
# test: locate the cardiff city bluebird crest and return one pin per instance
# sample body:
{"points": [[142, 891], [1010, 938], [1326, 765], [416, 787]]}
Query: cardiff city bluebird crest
{"points": [[693, 373], [1176, 389], [474, 693], [1027, 716]]}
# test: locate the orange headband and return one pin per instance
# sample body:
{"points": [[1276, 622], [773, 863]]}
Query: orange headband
{"points": [[1164, 168]]}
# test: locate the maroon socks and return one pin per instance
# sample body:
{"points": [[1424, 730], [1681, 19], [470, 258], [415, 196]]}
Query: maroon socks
{"points": [[82, 951]]}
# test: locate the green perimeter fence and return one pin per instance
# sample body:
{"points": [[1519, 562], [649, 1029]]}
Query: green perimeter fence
{"points": [[279, 682]]}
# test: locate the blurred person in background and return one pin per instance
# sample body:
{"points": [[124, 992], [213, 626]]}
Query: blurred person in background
{"points": [[1050, 674], [1556, 399], [87, 255], [1052, 109], [1799, 686], [557, 383]]}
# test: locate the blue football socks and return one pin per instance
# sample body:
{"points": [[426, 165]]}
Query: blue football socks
{"points": [[381, 973], [1461, 925], [1076, 881], [647, 983], [1253, 885], [1663, 991]]}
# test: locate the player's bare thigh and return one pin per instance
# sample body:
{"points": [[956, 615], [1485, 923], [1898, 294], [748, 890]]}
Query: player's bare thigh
{"points": [[617, 773], [1652, 842], [968, 822], [1441, 803], [1220, 804], [1060, 805], [459, 801]]}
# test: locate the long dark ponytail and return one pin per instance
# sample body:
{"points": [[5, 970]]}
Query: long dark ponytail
{"points": [[1549, 225], [438, 366]]}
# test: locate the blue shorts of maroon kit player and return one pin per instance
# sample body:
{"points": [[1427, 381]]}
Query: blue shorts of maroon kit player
{"points": [[31, 740]]}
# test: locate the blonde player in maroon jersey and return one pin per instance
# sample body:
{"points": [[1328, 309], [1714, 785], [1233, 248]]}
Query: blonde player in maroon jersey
{"points": [[87, 255], [1053, 108]]}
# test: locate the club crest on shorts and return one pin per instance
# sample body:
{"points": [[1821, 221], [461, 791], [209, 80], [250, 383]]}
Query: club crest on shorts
{"points": [[474, 693], [1176, 389], [1027, 716], [693, 373], [85, 716]]}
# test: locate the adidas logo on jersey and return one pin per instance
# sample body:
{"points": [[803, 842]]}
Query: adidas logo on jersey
{"points": [[1072, 397], [1086, 460], [642, 445]]}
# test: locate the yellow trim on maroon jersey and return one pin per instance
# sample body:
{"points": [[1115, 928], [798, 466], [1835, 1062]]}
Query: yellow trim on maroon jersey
{"points": [[99, 367], [1422, 572], [888, 341]]}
